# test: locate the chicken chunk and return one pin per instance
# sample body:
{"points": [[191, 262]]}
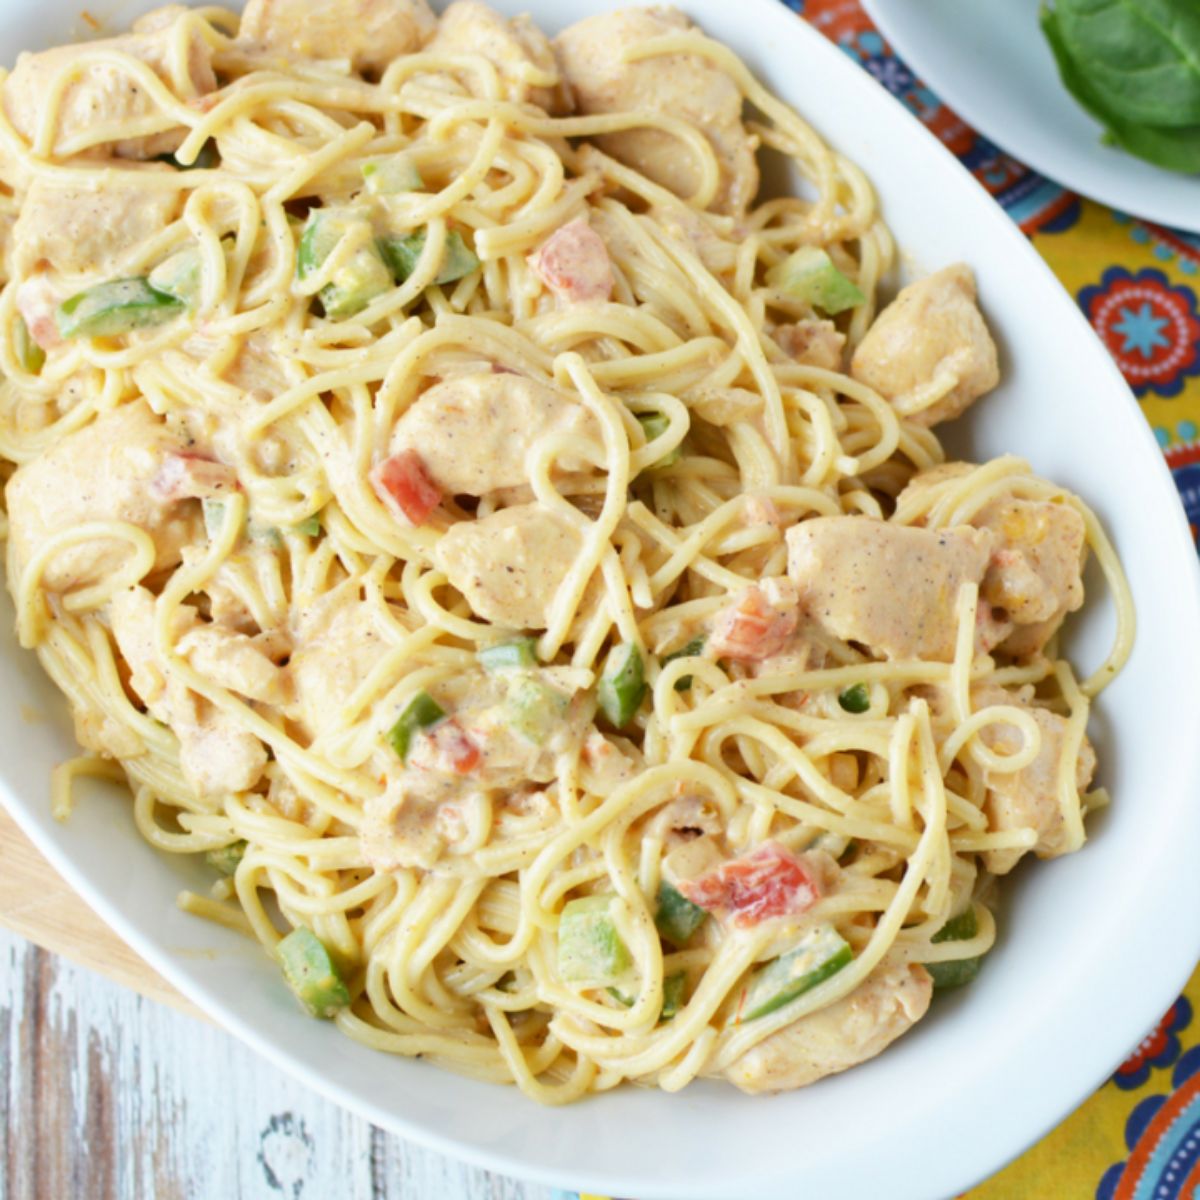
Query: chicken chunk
{"points": [[606, 764], [1028, 798], [929, 352], [77, 229], [403, 827], [813, 342], [509, 565], [102, 95], [891, 587], [474, 432], [369, 33], [185, 475], [515, 47], [1035, 576], [338, 641], [889, 1002], [684, 86], [215, 753], [102, 472], [235, 661]]}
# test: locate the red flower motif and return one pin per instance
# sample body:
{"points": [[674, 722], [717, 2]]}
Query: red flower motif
{"points": [[1148, 325], [1159, 1048]]}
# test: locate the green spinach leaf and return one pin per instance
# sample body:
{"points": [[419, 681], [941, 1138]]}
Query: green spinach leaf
{"points": [[1142, 56], [1174, 147]]}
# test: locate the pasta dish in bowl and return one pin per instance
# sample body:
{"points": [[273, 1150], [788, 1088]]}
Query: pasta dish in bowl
{"points": [[499, 542], [514, 551]]}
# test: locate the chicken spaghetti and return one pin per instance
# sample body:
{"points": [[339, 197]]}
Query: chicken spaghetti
{"points": [[512, 552]]}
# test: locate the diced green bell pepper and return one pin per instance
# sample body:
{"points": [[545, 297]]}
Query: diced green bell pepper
{"points": [[833, 844], [309, 527], [311, 973], [214, 516], [809, 275], [856, 698], [390, 175], [533, 708], [29, 354], [116, 307], [655, 425], [321, 231], [622, 684], [226, 858], [820, 953], [206, 158], [421, 712], [179, 275], [677, 918], [693, 648], [358, 281], [958, 971], [960, 928], [402, 254], [517, 654], [264, 535], [590, 948], [674, 986]]}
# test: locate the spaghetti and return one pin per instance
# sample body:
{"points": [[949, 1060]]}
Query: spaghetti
{"points": [[520, 562]]}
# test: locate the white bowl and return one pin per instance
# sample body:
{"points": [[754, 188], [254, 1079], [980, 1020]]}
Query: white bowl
{"points": [[1092, 948], [989, 61]]}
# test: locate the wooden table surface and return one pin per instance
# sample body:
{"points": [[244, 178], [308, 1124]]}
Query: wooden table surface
{"points": [[108, 1094]]}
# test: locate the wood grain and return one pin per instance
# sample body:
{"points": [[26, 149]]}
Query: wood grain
{"points": [[36, 902], [105, 1095]]}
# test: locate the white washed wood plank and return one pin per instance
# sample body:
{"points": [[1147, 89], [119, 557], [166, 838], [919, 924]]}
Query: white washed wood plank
{"points": [[405, 1170], [108, 1096]]}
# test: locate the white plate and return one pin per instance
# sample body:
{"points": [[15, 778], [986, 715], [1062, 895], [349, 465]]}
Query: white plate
{"points": [[988, 61], [1092, 948]]}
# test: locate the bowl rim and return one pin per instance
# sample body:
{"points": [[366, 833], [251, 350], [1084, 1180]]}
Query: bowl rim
{"points": [[1105, 174], [994, 1149]]}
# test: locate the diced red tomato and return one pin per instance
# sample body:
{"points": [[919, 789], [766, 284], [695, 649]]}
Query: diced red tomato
{"points": [[755, 626], [768, 882], [193, 477], [573, 263], [403, 484], [455, 750], [36, 302]]}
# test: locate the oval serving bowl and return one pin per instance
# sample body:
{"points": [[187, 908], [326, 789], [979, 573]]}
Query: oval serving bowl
{"points": [[1092, 948]]}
